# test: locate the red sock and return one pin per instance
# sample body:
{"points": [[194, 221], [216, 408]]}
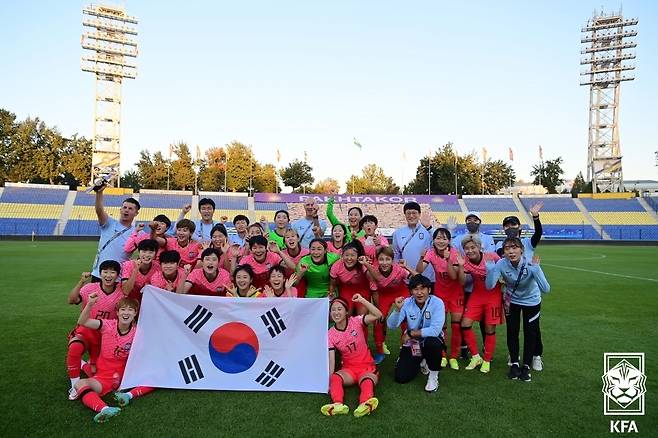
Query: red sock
{"points": [[87, 369], [455, 340], [91, 399], [336, 391], [379, 336], [489, 346], [141, 390], [73, 358], [469, 338], [367, 387]]}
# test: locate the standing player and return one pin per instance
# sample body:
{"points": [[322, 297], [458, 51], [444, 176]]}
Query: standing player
{"points": [[135, 274], [309, 227], [315, 267], [170, 274], [357, 366], [352, 274], [443, 260], [114, 234], [424, 315], [354, 215], [484, 303], [281, 224], [158, 229], [473, 223], [338, 239], [295, 252], [82, 339], [116, 339], [210, 280], [524, 284], [372, 240], [240, 222], [410, 240], [188, 249]]}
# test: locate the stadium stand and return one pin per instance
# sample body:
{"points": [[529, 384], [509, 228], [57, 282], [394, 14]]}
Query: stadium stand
{"points": [[27, 209]]}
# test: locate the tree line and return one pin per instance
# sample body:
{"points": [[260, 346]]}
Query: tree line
{"points": [[32, 151]]}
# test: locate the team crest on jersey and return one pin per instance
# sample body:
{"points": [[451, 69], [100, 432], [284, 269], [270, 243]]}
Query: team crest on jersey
{"points": [[421, 236], [191, 254], [428, 314], [353, 333]]}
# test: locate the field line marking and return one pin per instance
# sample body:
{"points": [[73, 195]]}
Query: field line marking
{"points": [[601, 272]]}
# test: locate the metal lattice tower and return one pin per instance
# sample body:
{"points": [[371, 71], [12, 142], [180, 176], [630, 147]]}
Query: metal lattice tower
{"points": [[107, 37], [608, 46]]}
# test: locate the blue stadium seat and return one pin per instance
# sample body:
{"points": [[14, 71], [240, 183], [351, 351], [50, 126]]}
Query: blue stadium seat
{"points": [[31, 195], [490, 204], [605, 205], [632, 232], [25, 227]]}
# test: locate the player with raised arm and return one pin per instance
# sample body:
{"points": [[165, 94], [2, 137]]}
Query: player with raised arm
{"points": [[170, 274], [281, 224], [210, 280], [372, 240], [116, 339], [260, 259], [204, 225], [310, 226], [353, 228], [338, 239], [347, 336], [158, 230], [524, 284], [135, 274], [278, 286], [188, 249]]}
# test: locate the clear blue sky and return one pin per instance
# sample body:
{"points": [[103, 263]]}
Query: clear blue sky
{"points": [[310, 76]]}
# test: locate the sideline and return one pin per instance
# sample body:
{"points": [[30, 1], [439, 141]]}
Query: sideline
{"points": [[571, 268]]}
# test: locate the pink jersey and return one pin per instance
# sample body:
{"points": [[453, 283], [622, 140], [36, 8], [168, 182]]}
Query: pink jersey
{"points": [[115, 346], [354, 278], [105, 307], [261, 269], [158, 280], [479, 273], [332, 248], [351, 343], [140, 281], [284, 294], [371, 250], [201, 285], [394, 284], [443, 285], [189, 254], [135, 238]]}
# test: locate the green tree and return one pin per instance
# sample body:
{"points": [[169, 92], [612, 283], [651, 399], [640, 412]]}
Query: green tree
{"points": [[29, 135], [152, 170], [297, 175], [327, 185], [372, 180], [211, 174], [181, 172], [76, 161], [8, 128], [497, 175], [130, 179], [265, 179], [579, 184], [240, 167], [548, 174]]}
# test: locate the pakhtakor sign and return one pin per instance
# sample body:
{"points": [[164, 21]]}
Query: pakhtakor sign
{"points": [[356, 199]]}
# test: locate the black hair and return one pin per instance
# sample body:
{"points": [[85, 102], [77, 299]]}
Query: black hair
{"points": [[412, 205], [210, 251], [206, 201], [356, 246], [111, 265], [419, 280], [282, 211], [148, 245], [340, 300], [444, 231], [133, 201], [367, 218], [240, 217], [357, 209], [321, 241], [257, 225], [344, 230], [257, 240], [169, 257], [514, 240], [219, 227], [164, 219], [277, 268], [186, 223], [246, 268], [512, 220]]}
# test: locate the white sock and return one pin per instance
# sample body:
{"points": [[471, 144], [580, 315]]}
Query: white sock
{"points": [[434, 374], [74, 380], [130, 396]]}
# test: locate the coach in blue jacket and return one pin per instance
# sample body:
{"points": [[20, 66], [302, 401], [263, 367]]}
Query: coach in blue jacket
{"points": [[422, 342]]}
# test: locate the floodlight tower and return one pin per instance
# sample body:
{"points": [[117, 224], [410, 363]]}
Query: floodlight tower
{"points": [[107, 37], [607, 47]]}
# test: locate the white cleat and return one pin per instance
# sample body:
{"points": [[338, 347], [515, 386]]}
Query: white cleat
{"points": [[73, 394], [537, 363], [432, 381]]}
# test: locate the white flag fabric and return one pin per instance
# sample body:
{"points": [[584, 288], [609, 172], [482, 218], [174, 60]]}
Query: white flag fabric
{"points": [[241, 344]]}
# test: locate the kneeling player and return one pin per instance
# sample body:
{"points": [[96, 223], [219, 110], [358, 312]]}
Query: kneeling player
{"points": [[347, 336], [116, 339]]}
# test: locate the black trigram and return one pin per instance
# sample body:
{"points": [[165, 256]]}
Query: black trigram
{"points": [[270, 375], [273, 322], [198, 318], [190, 369]]}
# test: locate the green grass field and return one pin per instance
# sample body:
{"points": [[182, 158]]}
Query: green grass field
{"points": [[614, 309]]}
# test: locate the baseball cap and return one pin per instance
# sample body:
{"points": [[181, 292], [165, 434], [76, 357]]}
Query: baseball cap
{"points": [[473, 213], [511, 220]]}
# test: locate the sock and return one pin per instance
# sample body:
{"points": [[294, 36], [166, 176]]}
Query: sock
{"points": [[336, 391], [434, 374], [73, 358], [489, 346], [469, 338], [367, 387], [74, 380], [140, 391], [86, 367], [91, 399], [455, 339]]}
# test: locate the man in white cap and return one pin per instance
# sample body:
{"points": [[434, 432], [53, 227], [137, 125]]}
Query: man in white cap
{"points": [[473, 222]]}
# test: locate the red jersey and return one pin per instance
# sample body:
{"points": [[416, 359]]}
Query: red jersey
{"points": [[105, 307], [140, 281], [479, 274], [261, 269], [444, 285], [371, 250], [394, 284], [115, 346], [332, 248], [351, 343], [354, 278], [201, 285], [158, 280], [135, 238], [189, 254]]}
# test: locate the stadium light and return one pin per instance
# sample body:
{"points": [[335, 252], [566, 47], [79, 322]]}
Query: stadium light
{"points": [[607, 49], [107, 37]]}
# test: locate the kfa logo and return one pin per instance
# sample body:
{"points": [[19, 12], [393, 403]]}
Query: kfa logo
{"points": [[624, 384]]}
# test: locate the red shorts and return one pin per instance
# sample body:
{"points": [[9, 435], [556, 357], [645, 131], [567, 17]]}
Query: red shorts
{"points": [[91, 339], [487, 305], [348, 293], [110, 379], [358, 372], [453, 301]]}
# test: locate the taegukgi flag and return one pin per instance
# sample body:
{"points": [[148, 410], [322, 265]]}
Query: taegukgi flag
{"points": [[242, 344]]}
